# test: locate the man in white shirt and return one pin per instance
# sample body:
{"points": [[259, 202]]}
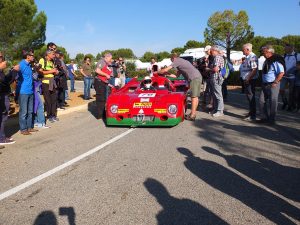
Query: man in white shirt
{"points": [[150, 68], [249, 75]]}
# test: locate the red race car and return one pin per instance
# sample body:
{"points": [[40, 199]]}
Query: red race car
{"points": [[162, 104]]}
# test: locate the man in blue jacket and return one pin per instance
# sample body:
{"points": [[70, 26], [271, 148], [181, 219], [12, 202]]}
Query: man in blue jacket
{"points": [[25, 84]]}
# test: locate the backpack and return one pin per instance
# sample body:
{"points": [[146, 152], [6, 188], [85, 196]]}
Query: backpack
{"points": [[225, 71]]}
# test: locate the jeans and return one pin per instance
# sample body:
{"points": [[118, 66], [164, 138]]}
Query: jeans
{"points": [[290, 99], [216, 85], [26, 111], [268, 101], [87, 87], [66, 95], [250, 93], [39, 118], [72, 81], [224, 89]]}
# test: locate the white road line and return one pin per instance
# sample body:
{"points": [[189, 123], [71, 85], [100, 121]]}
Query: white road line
{"points": [[61, 167]]}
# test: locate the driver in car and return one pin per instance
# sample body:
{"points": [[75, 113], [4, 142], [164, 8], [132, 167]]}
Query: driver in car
{"points": [[147, 84]]}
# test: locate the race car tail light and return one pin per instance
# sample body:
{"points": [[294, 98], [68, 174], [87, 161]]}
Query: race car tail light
{"points": [[172, 109], [114, 109]]}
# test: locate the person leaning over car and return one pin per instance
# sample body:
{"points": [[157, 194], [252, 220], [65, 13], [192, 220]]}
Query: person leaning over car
{"points": [[192, 75]]}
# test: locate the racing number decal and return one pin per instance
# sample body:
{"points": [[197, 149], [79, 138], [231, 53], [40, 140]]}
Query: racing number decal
{"points": [[147, 95]]}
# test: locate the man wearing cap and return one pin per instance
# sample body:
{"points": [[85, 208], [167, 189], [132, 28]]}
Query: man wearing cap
{"points": [[216, 81], [25, 84], [203, 64], [62, 85], [192, 75]]}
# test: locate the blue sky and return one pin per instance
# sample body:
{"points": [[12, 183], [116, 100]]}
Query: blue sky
{"points": [[91, 26]]}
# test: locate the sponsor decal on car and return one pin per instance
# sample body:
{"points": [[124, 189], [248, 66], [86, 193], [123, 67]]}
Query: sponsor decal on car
{"points": [[147, 95], [160, 111], [123, 111], [142, 105]]}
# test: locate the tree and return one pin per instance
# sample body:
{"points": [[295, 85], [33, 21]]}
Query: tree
{"points": [[227, 30], [178, 50], [147, 56], [125, 53], [40, 53], [162, 55], [259, 41], [79, 58], [91, 56], [194, 44], [293, 40], [21, 27]]}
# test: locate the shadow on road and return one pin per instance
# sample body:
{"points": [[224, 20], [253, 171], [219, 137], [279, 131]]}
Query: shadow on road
{"points": [[92, 109], [179, 211], [284, 180], [230, 183], [49, 217]]}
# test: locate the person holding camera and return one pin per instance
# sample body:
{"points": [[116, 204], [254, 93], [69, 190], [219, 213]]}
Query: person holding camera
{"points": [[48, 70], [5, 81], [72, 76], [86, 71], [61, 79], [122, 71], [25, 84]]}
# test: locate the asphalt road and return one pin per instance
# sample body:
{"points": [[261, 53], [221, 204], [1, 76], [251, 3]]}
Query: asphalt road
{"points": [[212, 171]]}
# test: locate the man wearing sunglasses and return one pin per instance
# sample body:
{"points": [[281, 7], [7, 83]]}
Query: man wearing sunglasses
{"points": [[25, 84]]}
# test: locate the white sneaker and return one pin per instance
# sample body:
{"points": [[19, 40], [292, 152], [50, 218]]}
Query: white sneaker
{"points": [[44, 127], [217, 114]]}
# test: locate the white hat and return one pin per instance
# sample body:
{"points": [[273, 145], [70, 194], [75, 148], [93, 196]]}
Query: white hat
{"points": [[207, 48], [147, 78]]}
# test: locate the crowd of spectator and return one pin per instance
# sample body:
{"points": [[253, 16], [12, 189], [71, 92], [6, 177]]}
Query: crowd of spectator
{"points": [[42, 87]]}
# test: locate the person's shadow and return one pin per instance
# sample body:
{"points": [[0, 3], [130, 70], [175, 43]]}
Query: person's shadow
{"points": [[179, 211], [284, 180], [49, 218], [230, 183], [46, 218]]}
